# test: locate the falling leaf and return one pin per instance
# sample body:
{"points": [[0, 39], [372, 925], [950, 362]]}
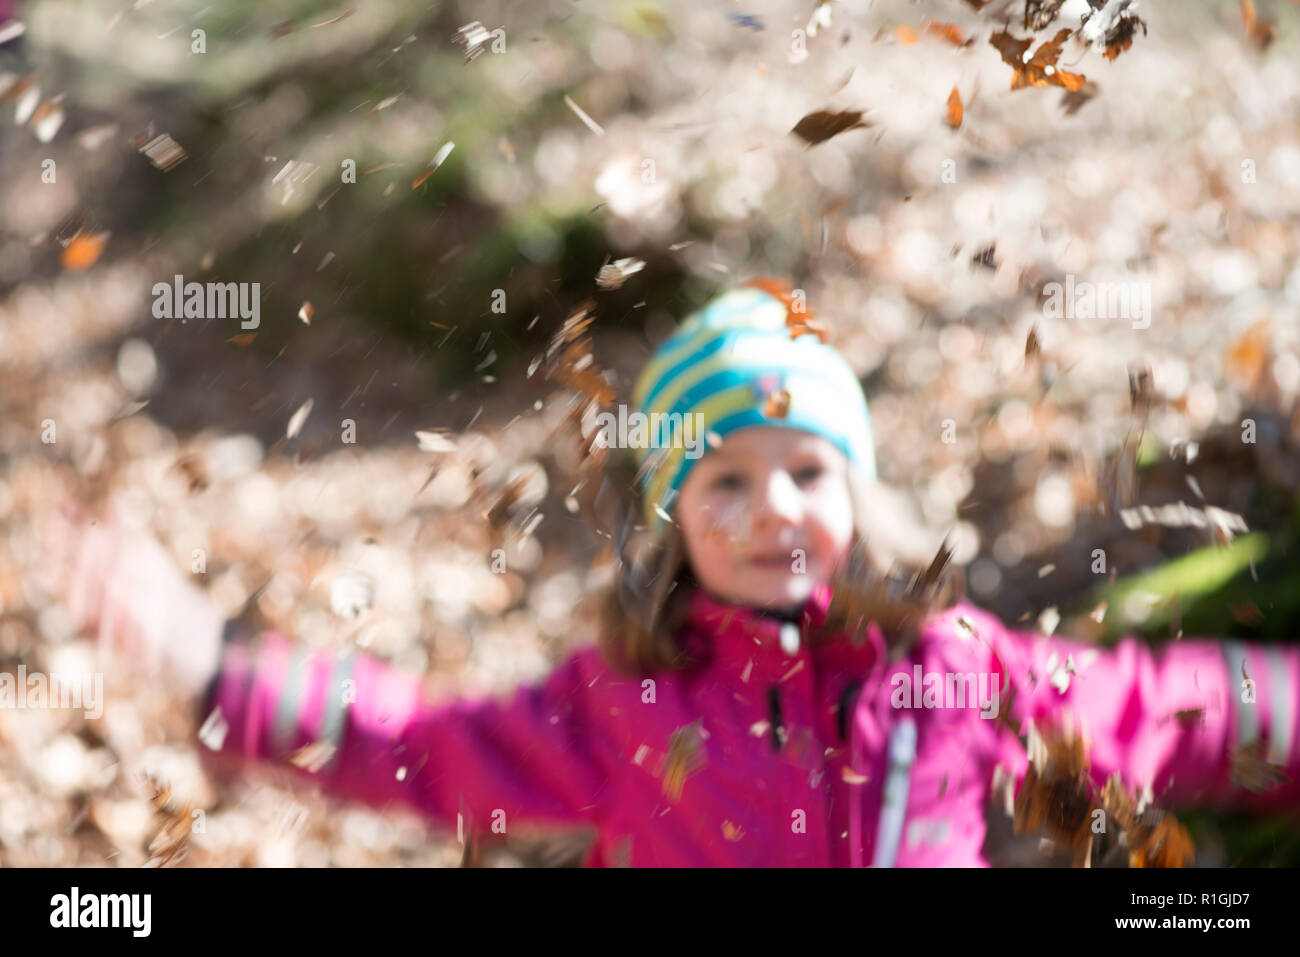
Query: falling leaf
{"points": [[1252, 771], [953, 116], [164, 152], [777, 404], [434, 442], [1040, 69], [437, 161], [1032, 345], [1055, 797], [1072, 100], [613, 275], [47, 119], [1040, 13], [171, 844], [499, 514], [299, 417], [474, 38], [242, 339], [985, 257], [84, 251], [214, 730], [906, 35], [1259, 32], [191, 466], [947, 31], [312, 757], [822, 125], [1247, 358], [582, 115], [1246, 613], [1167, 844], [685, 757], [1120, 37], [305, 312], [798, 317]]}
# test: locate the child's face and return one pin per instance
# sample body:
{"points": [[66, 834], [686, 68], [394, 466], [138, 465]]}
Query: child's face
{"points": [[767, 516]]}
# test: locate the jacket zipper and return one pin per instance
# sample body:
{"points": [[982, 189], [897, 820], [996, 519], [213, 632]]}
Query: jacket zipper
{"points": [[774, 717], [893, 806]]}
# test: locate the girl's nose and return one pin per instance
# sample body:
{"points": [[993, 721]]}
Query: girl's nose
{"points": [[780, 499]]}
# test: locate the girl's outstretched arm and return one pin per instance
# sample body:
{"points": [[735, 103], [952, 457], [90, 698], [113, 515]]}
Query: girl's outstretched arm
{"points": [[363, 730], [1199, 720]]}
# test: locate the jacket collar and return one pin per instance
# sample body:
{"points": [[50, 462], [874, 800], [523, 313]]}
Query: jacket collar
{"points": [[748, 641]]}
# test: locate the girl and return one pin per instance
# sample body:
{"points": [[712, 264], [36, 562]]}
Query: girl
{"points": [[724, 720]]}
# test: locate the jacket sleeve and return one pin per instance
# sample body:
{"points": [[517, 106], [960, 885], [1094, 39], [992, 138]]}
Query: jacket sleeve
{"points": [[363, 730], [1199, 720]]}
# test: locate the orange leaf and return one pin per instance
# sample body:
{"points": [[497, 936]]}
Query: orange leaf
{"points": [[84, 251], [906, 35], [953, 116], [947, 31], [1041, 69]]}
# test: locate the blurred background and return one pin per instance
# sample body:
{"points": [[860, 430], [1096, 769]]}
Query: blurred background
{"points": [[425, 192]]}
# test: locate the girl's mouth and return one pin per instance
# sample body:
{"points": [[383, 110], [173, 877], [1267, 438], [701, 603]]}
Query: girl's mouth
{"points": [[772, 561]]}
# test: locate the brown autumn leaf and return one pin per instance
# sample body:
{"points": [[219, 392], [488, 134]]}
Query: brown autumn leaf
{"points": [[1259, 32], [1040, 13], [1247, 357], [1164, 844], [798, 317], [1055, 798], [685, 757], [191, 466], [984, 257], [953, 116], [171, 844], [498, 515], [820, 126], [242, 339], [777, 404], [1033, 347], [1245, 613], [1120, 37], [1118, 803], [1141, 390], [861, 594], [1253, 771], [1072, 100], [946, 31], [1040, 69], [83, 252]]}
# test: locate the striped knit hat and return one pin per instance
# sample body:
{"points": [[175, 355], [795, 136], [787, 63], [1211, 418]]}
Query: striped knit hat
{"points": [[742, 361]]}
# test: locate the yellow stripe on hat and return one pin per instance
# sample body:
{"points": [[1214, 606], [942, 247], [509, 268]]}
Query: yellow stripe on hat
{"points": [[762, 353], [745, 306], [714, 409]]}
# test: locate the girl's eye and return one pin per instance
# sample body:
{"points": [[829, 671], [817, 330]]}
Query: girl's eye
{"points": [[810, 474], [729, 482]]}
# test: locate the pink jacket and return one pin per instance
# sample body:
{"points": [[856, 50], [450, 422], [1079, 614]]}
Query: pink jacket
{"points": [[767, 754]]}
